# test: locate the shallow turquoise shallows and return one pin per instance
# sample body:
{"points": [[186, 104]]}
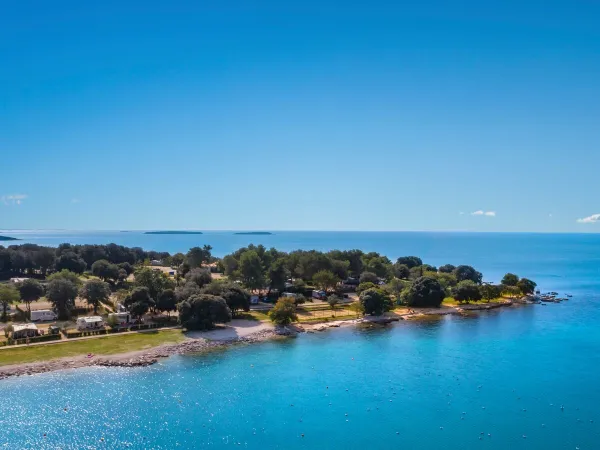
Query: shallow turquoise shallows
{"points": [[524, 377]]}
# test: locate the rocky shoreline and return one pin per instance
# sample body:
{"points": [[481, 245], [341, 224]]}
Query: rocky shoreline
{"points": [[140, 358], [197, 345]]}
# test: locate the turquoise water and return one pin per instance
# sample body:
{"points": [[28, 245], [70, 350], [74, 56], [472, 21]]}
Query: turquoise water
{"points": [[503, 373]]}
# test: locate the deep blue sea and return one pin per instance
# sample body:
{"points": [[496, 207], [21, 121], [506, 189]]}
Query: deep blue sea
{"points": [[494, 381]]}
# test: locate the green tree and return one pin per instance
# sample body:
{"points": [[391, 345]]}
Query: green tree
{"points": [[153, 280], [362, 287], [491, 291], [201, 277], [284, 311], [100, 268], [138, 309], [128, 268], [340, 268], [139, 294], [66, 275], [467, 273], [380, 266], [425, 292], [368, 277], [526, 286], [95, 292], [61, 293], [277, 275], [409, 261], [401, 271], [31, 291], [236, 297], [8, 296], [510, 279], [177, 259], [333, 300], [325, 280], [375, 301], [396, 286], [183, 293], [466, 291], [447, 268], [202, 312], [70, 261], [167, 301], [198, 256], [251, 270]]}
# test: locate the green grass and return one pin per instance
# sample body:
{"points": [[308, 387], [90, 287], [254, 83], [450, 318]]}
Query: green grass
{"points": [[254, 315], [449, 301], [107, 345]]}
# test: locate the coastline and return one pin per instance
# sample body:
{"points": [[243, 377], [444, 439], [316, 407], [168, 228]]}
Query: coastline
{"points": [[139, 358], [224, 338]]}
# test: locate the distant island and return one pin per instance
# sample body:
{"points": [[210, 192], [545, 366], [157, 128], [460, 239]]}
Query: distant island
{"points": [[8, 238], [255, 233], [173, 232]]}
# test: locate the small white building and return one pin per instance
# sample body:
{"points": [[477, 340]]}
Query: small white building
{"points": [[90, 323], [25, 330]]}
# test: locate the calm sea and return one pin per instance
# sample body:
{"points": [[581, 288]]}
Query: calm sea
{"points": [[494, 381]]}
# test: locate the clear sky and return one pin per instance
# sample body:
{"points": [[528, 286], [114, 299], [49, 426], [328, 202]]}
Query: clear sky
{"points": [[300, 115]]}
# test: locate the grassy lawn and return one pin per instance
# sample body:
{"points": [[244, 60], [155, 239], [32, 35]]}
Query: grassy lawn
{"points": [[449, 301], [316, 315], [254, 315], [106, 345]]}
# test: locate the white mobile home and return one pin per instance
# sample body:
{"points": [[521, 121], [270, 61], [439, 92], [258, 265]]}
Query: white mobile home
{"points": [[43, 315], [90, 323], [25, 330], [122, 318]]}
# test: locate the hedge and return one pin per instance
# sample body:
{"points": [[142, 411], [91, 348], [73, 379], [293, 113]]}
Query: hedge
{"points": [[47, 337]]}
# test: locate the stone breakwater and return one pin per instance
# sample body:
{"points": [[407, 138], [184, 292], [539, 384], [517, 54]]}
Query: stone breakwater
{"points": [[135, 359]]}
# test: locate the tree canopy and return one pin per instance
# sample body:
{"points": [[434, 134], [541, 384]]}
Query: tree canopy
{"points": [[167, 301], [368, 277], [375, 301], [410, 261], [425, 292], [251, 270], [325, 280], [447, 268], [31, 291], [284, 311], [70, 261], [236, 297], [8, 295], [61, 293], [197, 256], [510, 279], [526, 286], [203, 311], [466, 291], [201, 277], [463, 273], [95, 292]]}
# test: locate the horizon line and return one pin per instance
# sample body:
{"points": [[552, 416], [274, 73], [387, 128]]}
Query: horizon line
{"points": [[117, 230]]}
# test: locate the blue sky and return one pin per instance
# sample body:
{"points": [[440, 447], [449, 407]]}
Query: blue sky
{"points": [[300, 115]]}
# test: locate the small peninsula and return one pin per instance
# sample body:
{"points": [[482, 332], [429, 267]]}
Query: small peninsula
{"points": [[8, 238], [173, 232], [255, 233]]}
